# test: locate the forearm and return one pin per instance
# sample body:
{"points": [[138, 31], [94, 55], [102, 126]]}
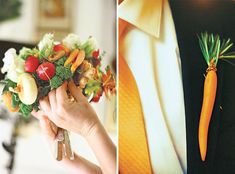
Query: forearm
{"points": [[103, 148], [81, 166]]}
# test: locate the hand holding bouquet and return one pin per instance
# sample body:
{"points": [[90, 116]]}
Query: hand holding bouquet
{"points": [[33, 73]]}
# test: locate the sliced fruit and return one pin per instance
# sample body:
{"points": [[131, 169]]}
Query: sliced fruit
{"points": [[56, 56], [46, 71], [31, 64], [27, 89], [7, 100]]}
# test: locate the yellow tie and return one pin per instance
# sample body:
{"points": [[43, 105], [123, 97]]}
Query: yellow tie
{"points": [[133, 147]]}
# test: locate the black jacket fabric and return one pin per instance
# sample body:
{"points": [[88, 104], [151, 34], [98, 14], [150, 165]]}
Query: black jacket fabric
{"points": [[192, 17]]}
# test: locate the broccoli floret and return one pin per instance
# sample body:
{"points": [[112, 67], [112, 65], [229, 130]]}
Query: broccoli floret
{"points": [[55, 82], [64, 72], [61, 61]]}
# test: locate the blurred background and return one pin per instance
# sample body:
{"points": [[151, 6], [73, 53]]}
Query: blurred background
{"points": [[23, 149]]}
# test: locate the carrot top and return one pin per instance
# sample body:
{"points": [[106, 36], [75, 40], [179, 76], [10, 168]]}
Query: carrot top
{"points": [[213, 48]]}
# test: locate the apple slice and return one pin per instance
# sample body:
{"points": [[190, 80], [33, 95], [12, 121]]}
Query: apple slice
{"points": [[27, 89]]}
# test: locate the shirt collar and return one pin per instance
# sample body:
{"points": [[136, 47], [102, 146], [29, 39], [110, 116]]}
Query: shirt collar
{"points": [[145, 15]]}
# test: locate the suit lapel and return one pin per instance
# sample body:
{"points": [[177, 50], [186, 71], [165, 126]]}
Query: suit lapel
{"points": [[193, 70]]}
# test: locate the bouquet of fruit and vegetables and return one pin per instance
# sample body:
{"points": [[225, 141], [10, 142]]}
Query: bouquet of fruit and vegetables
{"points": [[33, 73]]}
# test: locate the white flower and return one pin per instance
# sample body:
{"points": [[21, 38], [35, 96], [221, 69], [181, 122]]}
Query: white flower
{"points": [[92, 42], [72, 41], [10, 55], [13, 65], [46, 42]]}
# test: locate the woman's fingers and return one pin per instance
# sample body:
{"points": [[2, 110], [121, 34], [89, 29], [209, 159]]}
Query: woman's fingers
{"points": [[45, 105], [52, 100], [45, 124], [75, 91], [61, 93], [37, 114]]}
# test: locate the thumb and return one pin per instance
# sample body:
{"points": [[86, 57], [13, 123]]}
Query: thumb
{"points": [[76, 92]]}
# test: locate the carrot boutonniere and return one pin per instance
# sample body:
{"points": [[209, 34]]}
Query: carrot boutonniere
{"points": [[213, 49]]}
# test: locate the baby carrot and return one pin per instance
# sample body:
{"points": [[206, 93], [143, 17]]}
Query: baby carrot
{"points": [[71, 57], [78, 61], [210, 86], [213, 48]]}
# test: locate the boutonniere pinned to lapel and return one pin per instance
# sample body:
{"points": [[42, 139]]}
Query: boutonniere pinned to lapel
{"points": [[213, 48]]}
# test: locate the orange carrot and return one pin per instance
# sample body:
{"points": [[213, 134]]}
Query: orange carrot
{"points": [[80, 57], [210, 86], [213, 48], [71, 57]]}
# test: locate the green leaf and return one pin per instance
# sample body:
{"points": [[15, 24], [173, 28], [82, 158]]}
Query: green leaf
{"points": [[46, 52], [25, 109], [226, 48], [15, 100], [8, 84], [25, 52], [213, 47], [61, 61]]}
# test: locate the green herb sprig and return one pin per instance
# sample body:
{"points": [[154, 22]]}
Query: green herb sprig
{"points": [[213, 47]]}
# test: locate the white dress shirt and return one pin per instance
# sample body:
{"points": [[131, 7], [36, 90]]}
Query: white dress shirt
{"points": [[155, 64]]}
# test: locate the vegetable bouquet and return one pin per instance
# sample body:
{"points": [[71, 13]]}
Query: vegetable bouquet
{"points": [[33, 73]]}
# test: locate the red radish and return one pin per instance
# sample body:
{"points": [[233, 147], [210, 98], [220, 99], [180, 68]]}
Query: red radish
{"points": [[31, 64], [96, 98], [58, 47], [61, 47], [46, 71], [96, 53]]}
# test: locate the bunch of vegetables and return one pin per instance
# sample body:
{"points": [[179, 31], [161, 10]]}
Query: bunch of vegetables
{"points": [[213, 48], [33, 73]]}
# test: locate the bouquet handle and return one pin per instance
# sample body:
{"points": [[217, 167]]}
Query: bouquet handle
{"points": [[62, 145]]}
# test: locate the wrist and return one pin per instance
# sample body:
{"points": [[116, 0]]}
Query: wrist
{"points": [[93, 131]]}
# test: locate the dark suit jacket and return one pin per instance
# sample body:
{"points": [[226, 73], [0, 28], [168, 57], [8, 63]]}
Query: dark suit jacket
{"points": [[215, 16]]}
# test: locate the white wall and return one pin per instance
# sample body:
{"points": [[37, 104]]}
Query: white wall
{"points": [[96, 18]]}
